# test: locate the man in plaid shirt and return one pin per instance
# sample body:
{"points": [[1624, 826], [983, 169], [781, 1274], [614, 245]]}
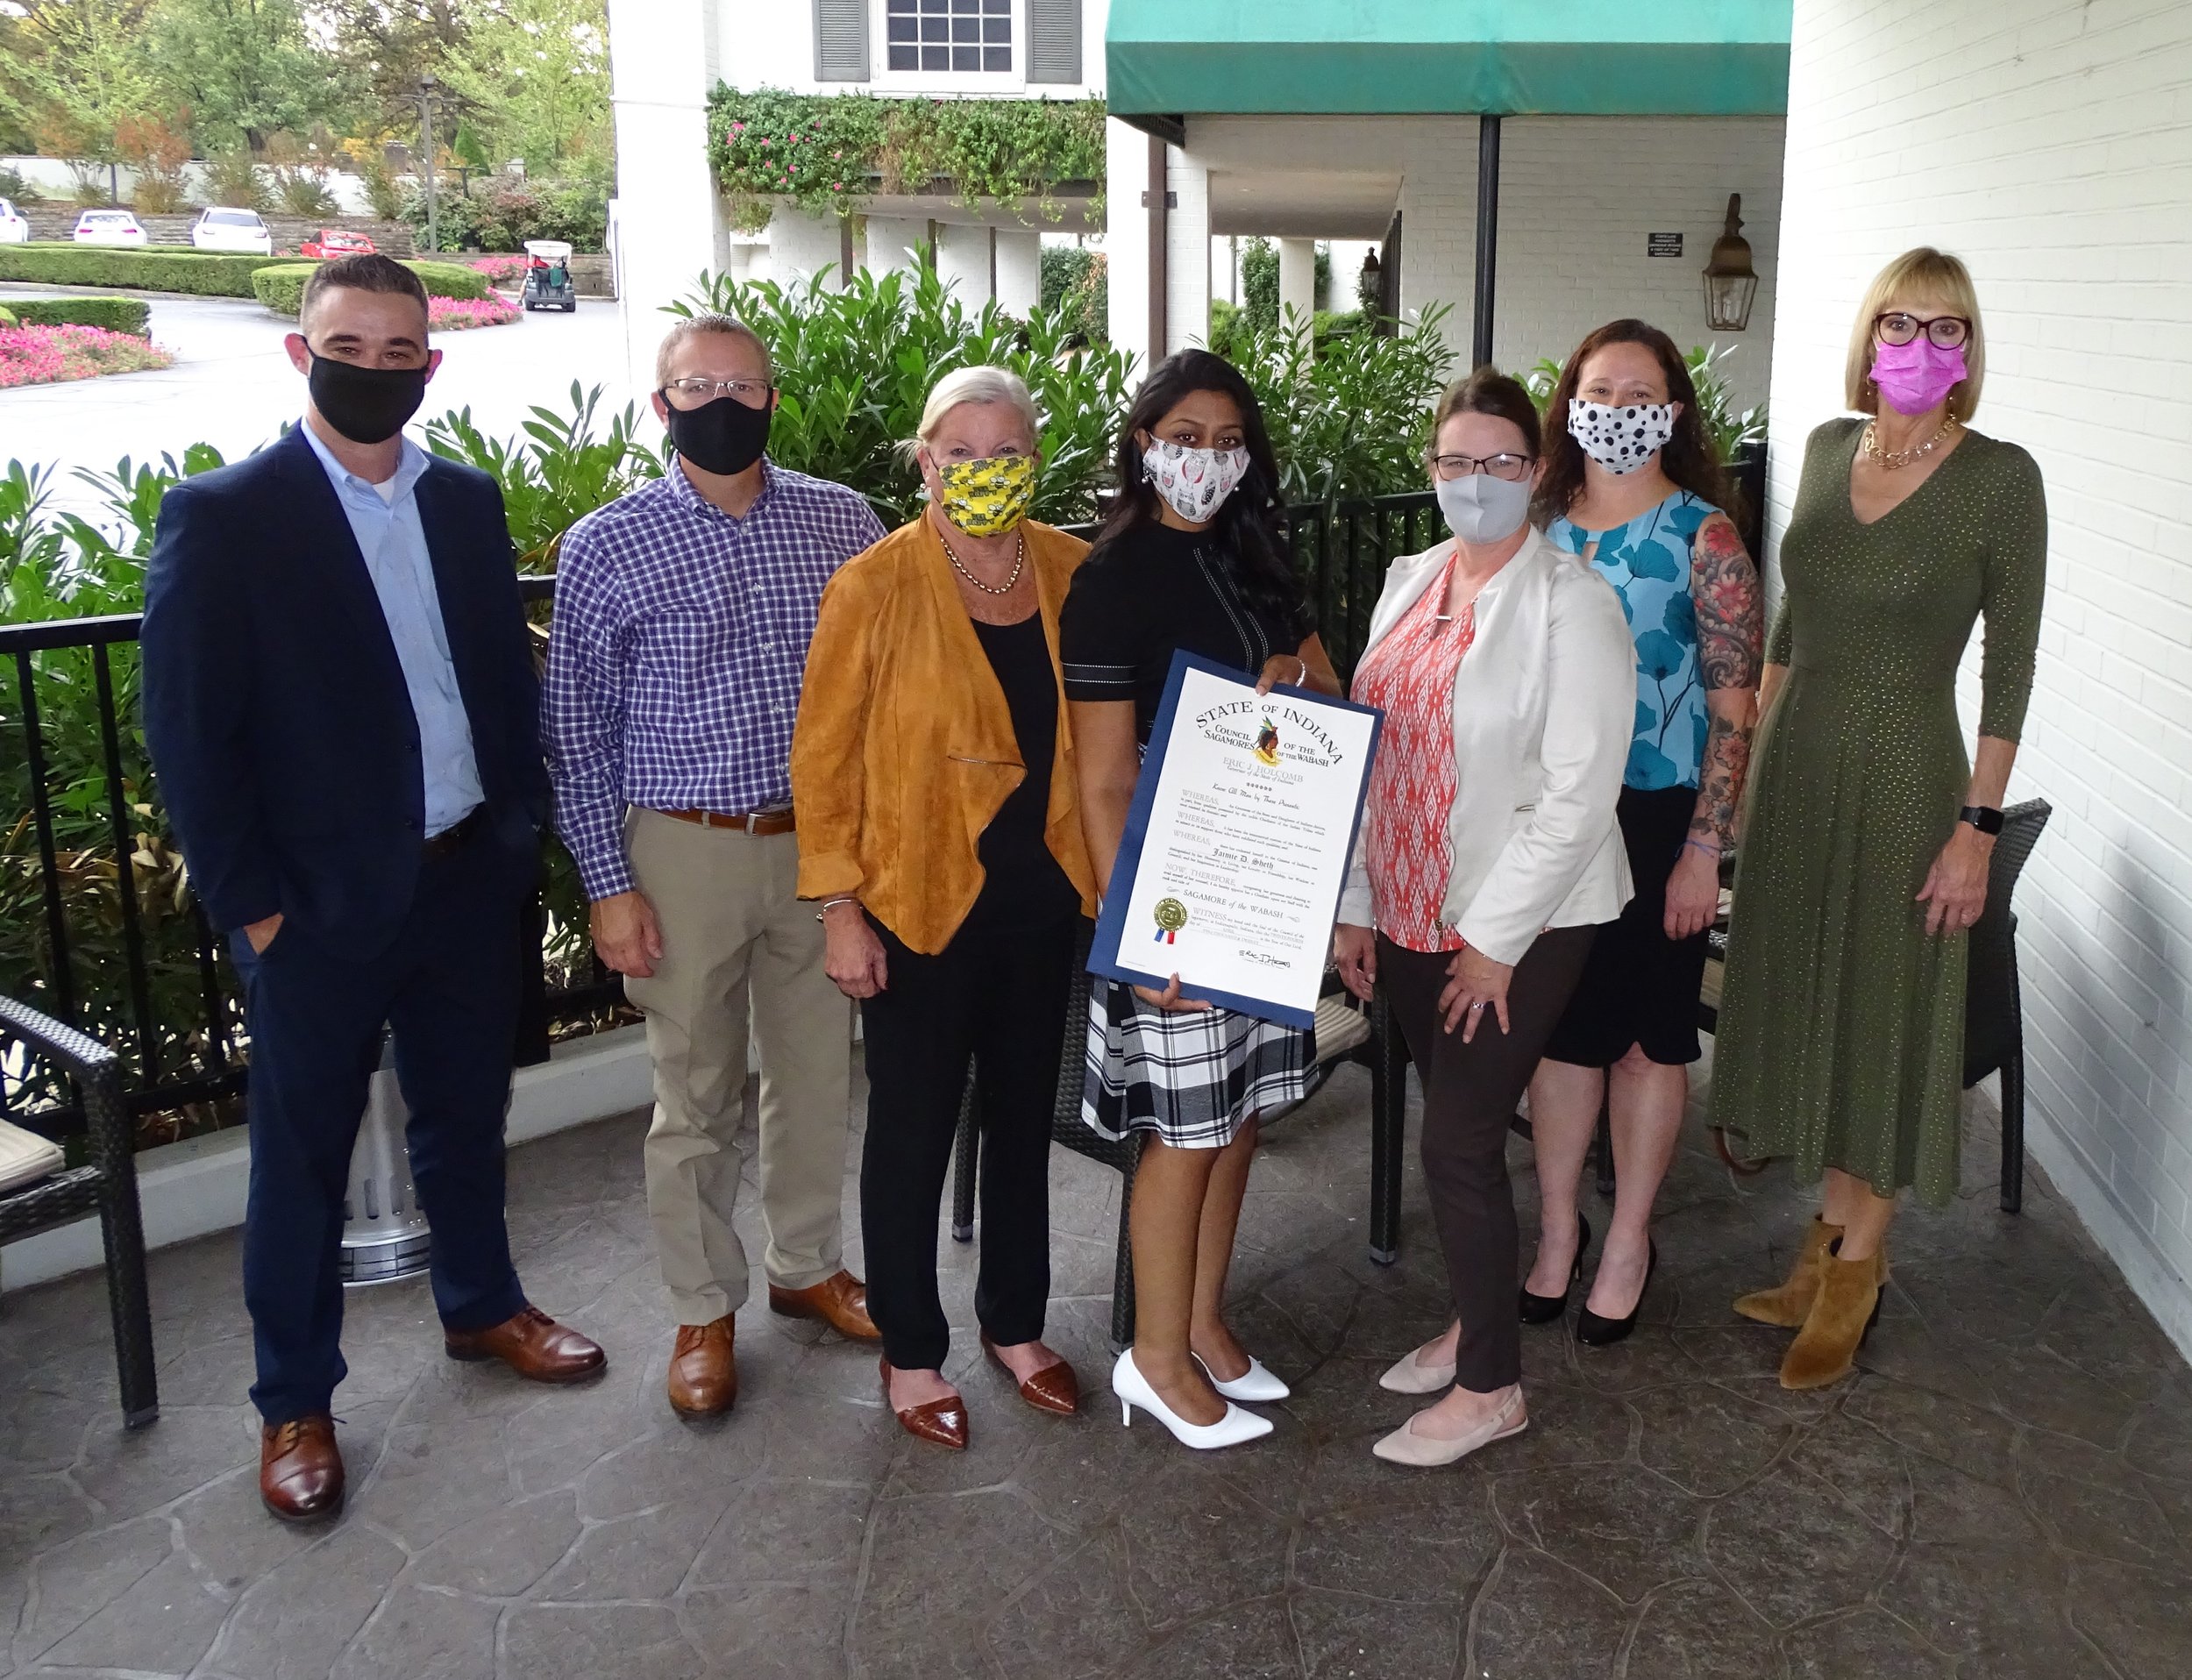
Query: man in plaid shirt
{"points": [[683, 613]]}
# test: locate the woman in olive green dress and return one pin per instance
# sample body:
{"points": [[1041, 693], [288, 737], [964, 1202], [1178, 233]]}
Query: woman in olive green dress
{"points": [[1866, 843]]}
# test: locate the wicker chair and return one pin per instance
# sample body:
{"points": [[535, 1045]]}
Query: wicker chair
{"points": [[107, 1185]]}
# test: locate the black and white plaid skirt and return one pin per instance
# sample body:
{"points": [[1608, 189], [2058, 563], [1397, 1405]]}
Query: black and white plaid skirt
{"points": [[1191, 1078]]}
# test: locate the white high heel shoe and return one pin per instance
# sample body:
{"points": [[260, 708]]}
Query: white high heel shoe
{"points": [[1256, 1383], [1411, 1375], [1133, 1389]]}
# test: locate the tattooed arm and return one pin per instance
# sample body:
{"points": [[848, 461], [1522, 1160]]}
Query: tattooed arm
{"points": [[1731, 638]]}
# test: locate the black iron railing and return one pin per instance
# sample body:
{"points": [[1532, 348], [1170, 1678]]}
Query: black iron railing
{"points": [[98, 927]]}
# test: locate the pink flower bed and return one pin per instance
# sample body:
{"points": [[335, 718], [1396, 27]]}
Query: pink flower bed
{"points": [[500, 271], [454, 314], [46, 355]]}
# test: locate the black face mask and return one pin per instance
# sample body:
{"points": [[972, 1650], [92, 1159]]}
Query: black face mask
{"points": [[723, 436], [367, 405]]}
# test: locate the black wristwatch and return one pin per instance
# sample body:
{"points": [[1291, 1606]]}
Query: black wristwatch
{"points": [[1985, 818]]}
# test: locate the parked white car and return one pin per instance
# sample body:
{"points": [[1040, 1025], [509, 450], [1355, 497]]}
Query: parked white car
{"points": [[107, 227], [15, 229], [231, 230]]}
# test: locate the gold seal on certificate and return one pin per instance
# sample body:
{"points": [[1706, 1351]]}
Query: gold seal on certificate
{"points": [[1237, 842]]}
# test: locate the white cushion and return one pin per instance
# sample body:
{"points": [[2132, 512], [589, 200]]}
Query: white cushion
{"points": [[25, 1157]]}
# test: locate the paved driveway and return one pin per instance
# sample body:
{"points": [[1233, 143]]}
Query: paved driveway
{"points": [[232, 386]]}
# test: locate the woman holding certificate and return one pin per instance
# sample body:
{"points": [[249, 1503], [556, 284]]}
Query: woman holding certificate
{"points": [[932, 775], [1491, 852], [1190, 559]]}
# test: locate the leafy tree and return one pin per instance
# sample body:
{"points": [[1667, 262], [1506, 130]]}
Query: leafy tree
{"points": [[533, 76], [71, 69], [246, 67], [388, 45]]}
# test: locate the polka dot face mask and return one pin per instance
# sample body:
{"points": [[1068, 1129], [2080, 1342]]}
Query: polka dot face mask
{"points": [[1621, 440], [986, 498]]}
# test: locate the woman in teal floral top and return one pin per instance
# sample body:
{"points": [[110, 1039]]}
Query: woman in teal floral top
{"points": [[1632, 487]]}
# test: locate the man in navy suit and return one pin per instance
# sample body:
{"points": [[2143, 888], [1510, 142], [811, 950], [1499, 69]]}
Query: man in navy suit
{"points": [[340, 701]]}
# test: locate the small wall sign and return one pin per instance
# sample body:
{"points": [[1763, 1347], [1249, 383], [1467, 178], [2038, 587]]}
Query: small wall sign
{"points": [[1662, 244]]}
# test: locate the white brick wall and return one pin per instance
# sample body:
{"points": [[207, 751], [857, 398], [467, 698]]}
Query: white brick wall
{"points": [[2047, 146], [1579, 195]]}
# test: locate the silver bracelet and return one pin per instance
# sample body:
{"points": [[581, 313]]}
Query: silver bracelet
{"points": [[828, 904]]}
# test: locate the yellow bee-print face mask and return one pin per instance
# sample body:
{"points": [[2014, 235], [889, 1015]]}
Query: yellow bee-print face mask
{"points": [[987, 498]]}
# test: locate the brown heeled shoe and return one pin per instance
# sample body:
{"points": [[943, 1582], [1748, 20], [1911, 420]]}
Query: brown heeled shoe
{"points": [[1789, 1304], [1842, 1316], [1054, 1388], [942, 1422]]}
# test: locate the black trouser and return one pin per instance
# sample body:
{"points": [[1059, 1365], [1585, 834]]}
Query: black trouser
{"points": [[998, 996], [448, 987], [1470, 1093]]}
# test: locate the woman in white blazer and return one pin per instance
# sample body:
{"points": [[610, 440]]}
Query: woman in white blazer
{"points": [[1488, 855]]}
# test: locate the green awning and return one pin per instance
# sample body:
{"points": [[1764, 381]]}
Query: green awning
{"points": [[1687, 58]]}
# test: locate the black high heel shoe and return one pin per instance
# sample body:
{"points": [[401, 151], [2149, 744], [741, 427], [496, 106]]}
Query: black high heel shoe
{"points": [[1543, 1309], [1595, 1332]]}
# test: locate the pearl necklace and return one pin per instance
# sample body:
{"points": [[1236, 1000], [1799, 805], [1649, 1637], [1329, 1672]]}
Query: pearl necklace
{"points": [[1019, 560], [1892, 459]]}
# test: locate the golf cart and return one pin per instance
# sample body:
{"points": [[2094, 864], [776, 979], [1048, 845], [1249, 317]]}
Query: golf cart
{"points": [[548, 276]]}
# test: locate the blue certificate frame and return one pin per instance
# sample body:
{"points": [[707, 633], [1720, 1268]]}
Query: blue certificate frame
{"points": [[1106, 955]]}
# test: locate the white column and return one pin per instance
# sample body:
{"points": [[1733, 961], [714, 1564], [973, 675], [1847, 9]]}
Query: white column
{"points": [[963, 261], [895, 242], [1187, 251], [1297, 279], [1127, 239], [801, 245], [670, 221], [1018, 270]]}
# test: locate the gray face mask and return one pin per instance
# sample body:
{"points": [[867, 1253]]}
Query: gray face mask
{"points": [[1481, 509]]}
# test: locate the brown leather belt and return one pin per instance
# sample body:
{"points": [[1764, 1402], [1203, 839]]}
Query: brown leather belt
{"points": [[779, 822], [452, 838]]}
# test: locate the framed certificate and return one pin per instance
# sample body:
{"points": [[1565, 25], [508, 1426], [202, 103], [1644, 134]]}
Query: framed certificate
{"points": [[1237, 843]]}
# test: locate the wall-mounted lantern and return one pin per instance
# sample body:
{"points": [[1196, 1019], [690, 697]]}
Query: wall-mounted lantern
{"points": [[1730, 281]]}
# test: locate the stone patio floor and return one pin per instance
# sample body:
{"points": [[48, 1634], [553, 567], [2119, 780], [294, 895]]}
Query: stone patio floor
{"points": [[2004, 1490]]}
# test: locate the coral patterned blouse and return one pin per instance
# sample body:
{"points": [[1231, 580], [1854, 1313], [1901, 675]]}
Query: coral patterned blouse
{"points": [[1409, 676]]}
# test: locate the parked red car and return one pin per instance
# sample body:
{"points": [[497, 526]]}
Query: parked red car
{"points": [[337, 242]]}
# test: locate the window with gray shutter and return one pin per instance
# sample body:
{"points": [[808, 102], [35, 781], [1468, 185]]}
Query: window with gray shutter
{"points": [[841, 41], [1054, 40], [952, 35]]}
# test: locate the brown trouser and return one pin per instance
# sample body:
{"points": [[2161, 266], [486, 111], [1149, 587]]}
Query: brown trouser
{"points": [[742, 956], [1469, 1093]]}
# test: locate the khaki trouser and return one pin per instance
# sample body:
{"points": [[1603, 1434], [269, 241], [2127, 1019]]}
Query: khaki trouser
{"points": [[740, 953]]}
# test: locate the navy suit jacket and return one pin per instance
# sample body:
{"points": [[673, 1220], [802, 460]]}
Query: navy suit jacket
{"points": [[275, 708]]}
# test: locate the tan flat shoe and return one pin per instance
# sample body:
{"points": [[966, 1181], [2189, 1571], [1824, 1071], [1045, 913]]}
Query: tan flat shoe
{"points": [[1404, 1446], [1411, 1375]]}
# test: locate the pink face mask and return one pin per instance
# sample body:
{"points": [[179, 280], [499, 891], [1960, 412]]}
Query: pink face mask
{"points": [[1917, 376]]}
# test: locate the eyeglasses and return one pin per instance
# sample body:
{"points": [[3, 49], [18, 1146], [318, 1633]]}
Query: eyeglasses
{"points": [[1946, 332], [1513, 468], [691, 393]]}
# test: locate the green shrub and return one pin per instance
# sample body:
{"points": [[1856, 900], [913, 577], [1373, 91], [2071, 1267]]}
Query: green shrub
{"points": [[854, 367], [502, 213], [204, 274], [281, 286], [7, 317], [1076, 288], [16, 187], [116, 314]]}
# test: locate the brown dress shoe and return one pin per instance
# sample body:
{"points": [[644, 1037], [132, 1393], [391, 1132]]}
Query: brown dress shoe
{"points": [[1842, 1315], [300, 1471], [942, 1422], [533, 1345], [1054, 1388], [703, 1372], [840, 1300]]}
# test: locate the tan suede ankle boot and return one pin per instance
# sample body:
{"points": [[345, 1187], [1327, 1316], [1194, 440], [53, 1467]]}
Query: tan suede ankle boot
{"points": [[1847, 1308], [1790, 1303]]}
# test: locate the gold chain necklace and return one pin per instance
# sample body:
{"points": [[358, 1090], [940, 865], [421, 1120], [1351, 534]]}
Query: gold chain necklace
{"points": [[1895, 458], [1019, 560]]}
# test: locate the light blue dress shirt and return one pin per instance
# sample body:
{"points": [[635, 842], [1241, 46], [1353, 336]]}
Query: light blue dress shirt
{"points": [[394, 543]]}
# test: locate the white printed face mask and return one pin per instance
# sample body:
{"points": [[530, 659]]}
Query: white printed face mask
{"points": [[1621, 440], [1195, 483]]}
